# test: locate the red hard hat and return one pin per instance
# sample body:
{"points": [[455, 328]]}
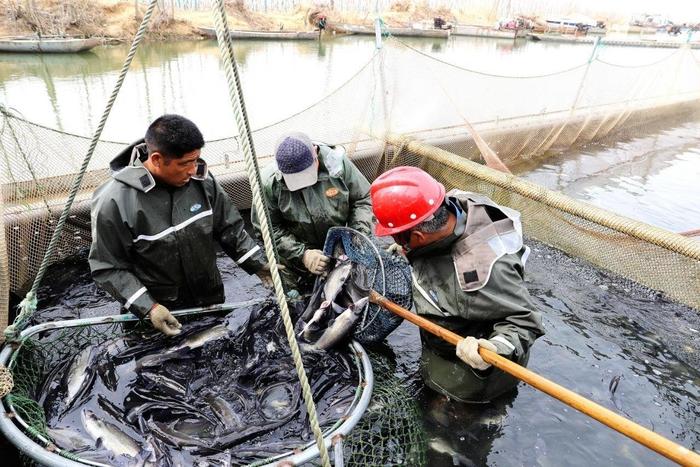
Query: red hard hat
{"points": [[404, 197]]}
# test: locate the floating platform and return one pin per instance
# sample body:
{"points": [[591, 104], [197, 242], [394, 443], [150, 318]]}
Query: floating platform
{"points": [[268, 35], [481, 31], [613, 42], [406, 32], [47, 44]]}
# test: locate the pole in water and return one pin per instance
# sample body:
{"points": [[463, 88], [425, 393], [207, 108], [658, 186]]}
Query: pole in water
{"points": [[377, 27], [378, 32], [632, 430]]}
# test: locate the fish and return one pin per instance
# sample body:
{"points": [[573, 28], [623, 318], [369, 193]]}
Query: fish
{"points": [[69, 439], [440, 446], [80, 374], [191, 342], [171, 386], [219, 387], [224, 412], [336, 279], [199, 339], [341, 326], [614, 382], [108, 435], [332, 287]]}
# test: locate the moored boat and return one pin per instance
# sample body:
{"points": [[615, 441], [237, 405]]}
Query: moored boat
{"points": [[406, 32], [274, 35], [47, 44]]}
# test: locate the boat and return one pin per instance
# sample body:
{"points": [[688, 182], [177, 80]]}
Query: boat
{"points": [[270, 35], [482, 31], [406, 32], [614, 42], [47, 44]]}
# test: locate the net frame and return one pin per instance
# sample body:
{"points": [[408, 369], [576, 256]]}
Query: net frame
{"points": [[28, 437]]}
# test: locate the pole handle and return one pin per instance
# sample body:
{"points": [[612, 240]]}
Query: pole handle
{"points": [[648, 438]]}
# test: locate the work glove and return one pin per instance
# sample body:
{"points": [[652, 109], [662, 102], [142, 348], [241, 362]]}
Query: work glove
{"points": [[468, 352], [162, 320], [315, 261], [395, 249], [266, 277]]}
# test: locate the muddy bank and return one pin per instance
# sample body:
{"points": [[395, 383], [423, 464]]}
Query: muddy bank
{"points": [[119, 19]]}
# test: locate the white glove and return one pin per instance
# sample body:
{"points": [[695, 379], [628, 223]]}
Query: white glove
{"points": [[315, 261], [162, 320], [395, 249], [468, 352]]}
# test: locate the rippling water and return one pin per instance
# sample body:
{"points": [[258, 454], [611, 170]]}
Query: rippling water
{"points": [[653, 177], [68, 92]]}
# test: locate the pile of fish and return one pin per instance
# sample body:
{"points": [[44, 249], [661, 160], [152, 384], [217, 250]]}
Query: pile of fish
{"points": [[223, 392], [336, 305]]}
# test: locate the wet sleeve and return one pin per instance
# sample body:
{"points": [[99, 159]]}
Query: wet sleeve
{"points": [[361, 217], [288, 246], [506, 301], [229, 231], [110, 258]]}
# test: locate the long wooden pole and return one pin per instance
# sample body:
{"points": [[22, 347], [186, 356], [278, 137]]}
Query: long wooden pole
{"points": [[648, 438]]}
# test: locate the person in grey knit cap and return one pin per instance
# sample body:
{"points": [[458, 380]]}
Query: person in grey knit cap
{"points": [[310, 188]]}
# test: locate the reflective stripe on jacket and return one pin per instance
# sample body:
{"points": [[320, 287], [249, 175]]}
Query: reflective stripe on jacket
{"points": [[154, 243]]}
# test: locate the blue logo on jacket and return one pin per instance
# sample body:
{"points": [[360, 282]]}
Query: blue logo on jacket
{"points": [[195, 207]]}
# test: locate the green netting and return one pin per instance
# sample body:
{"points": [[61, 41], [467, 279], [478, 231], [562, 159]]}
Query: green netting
{"points": [[390, 433]]}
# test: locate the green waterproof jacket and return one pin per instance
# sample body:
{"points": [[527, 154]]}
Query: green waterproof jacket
{"points": [[153, 243], [501, 310], [301, 219]]}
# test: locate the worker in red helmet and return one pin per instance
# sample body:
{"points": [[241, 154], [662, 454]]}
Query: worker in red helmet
{"points": [[468, 258]]}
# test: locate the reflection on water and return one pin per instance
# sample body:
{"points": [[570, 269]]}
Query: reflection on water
{"points": [[600, 329], [652, 178], [68, 92]]}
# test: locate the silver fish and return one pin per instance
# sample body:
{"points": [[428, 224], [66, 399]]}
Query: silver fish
{"points": [[197, 340], [68, 439], [168, 383], [335, 281], [107, 435], [191, 342], [313, 324], [224, 412], [440, 446], [79, 374], [341, 326]]}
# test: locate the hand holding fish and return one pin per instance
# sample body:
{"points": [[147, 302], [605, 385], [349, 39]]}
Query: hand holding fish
{"points": [[315, 261], [468, 352], [162, 320]]}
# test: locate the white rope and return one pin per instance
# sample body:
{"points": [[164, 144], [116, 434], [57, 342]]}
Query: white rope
{"points": [[224, 39]]}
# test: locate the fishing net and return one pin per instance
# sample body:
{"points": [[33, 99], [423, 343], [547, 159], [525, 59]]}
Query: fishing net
{"points": [[384, 117], [388, 274], [391, 434], [46, 349]]}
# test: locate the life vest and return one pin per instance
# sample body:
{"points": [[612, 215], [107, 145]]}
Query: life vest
{"points": [[492, 231]]}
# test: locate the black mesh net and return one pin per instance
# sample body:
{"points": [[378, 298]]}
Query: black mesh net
{"points": [[388, 274]]}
